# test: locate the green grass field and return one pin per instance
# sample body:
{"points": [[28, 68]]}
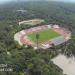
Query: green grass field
{"points": [[32, 22], [44, 35]]}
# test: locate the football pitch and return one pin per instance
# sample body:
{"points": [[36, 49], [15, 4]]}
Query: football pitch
{"points": [[44, 35]]}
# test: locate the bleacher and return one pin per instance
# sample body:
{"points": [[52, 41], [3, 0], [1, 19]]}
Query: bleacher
{"points": [[58, 40]]}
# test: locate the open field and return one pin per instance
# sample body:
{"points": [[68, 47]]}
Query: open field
{"points": [[44, 35], [66, 64], [31, 22]]}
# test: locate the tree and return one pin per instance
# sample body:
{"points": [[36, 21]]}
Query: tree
{"points": [[37, 38]]}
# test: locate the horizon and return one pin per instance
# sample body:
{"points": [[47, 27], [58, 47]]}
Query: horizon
{"points": [[7, 1]]}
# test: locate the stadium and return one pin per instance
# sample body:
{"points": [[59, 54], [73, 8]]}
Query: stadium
{"points": [[48, 36]]}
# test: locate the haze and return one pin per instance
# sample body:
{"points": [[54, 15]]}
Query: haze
{"points": [[4, 1]]}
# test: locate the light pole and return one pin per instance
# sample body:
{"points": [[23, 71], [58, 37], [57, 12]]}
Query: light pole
{"points": [[37, 40]]}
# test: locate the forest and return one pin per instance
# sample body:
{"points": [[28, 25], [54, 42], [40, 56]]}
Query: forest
{"points": [[26, 61]]}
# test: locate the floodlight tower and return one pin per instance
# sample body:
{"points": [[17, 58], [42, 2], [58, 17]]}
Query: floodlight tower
{"points": [[37, 40]]}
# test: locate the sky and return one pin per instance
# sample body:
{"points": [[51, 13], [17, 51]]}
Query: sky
{"points": [[4, 1]]}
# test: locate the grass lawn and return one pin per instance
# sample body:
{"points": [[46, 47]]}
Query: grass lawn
{"points": [[33, 22], [44, 35]]}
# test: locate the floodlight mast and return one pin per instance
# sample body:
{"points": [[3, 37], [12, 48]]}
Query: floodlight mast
{"points": [[37, 40]]}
